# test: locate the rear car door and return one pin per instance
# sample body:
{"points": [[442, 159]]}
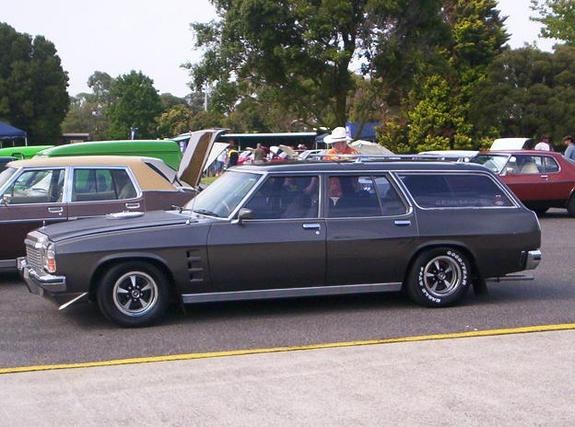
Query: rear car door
{"points": [[371, 230], [524, 174], [32, 198], [102, 190], [282, 246]]}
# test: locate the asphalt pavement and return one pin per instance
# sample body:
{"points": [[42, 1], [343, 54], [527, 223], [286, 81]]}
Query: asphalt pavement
{"points": [[34, 332]]}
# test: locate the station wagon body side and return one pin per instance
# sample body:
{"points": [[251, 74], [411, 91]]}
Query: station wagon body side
{"points": [[294, 230]]}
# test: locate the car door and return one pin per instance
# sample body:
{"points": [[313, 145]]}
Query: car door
{"points": [[282, 246], [558, 180], [98, 191], [523, 174], [371, 230], [33, 197]]}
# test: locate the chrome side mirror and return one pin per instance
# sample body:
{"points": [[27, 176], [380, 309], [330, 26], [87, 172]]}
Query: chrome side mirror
{"points": [[243, 214], [6, 199]]}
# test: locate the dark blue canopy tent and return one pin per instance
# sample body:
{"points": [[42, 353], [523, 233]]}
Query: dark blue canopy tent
{"points": [[10, 132]]}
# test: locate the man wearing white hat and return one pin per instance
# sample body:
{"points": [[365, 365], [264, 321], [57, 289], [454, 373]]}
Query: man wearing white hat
{"points": [[338, 140]]}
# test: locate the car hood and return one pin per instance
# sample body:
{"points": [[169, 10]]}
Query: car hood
{"points": [[200, 149], [115, 222]]}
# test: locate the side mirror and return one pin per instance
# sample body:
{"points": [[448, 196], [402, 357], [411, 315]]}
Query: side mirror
{"points": [[6, 199], [243, 214]]}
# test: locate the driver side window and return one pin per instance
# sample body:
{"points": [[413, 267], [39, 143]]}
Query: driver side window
{"points": [[37, 186], [283, 197]]}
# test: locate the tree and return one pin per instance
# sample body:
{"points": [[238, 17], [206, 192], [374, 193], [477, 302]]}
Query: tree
{"points": [[557, 17], [531, 93], [135, 104], [302, 51], [437, 109], [33, 85]]}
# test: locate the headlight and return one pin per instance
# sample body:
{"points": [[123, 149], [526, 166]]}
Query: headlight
{"points": [[50, 258]]}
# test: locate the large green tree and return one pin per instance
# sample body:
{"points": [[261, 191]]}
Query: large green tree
{"points": [[135, 104], [303, 51], [437, 111], [33, 85], [557, 17], [529, 93]]}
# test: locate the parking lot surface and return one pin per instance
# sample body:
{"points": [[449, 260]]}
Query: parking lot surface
{"points": [[34, 332]]}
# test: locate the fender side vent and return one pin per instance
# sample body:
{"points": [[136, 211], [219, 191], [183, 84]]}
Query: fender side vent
{"points": [[195, 266]]}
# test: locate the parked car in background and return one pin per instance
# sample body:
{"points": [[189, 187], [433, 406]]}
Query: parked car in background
{"points": [[450, 155], [432, 229], [43, 191], [168, 151], [540, 179], [23, 152]]}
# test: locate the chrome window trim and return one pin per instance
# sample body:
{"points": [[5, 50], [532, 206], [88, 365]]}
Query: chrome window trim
{"points": [[393, 183], [512, 198], [20, 171], [139, 192]]}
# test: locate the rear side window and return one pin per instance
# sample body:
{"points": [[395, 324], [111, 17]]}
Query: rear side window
{"points": [[102, 184], [550, 165], [455, 191]]}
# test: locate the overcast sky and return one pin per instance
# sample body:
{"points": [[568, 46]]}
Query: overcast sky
{"points": [[117, 36]]}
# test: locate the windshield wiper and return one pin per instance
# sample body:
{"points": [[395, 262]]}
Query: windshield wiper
{"points": [[206, 212]]}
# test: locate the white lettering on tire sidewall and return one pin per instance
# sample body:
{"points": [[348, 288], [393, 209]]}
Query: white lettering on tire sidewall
{"points": [[464, 279]]}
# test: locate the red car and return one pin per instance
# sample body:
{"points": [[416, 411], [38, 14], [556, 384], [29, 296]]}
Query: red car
{"points": [[540, 179]]}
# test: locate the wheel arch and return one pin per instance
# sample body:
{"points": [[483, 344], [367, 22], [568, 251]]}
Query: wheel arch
{"points": [[110, 261]]}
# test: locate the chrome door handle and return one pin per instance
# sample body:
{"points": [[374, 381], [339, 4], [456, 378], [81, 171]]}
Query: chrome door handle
{"points": [[132, 205], [311, 226], [56, 210], [402, 222], [545, 176]]}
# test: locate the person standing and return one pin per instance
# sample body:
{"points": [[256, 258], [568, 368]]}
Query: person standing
{"points": [[259, 154], [544, 144], [233, 156], [570, 151], [338, 140]]}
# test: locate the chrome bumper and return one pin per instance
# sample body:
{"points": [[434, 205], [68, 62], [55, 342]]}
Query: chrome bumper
{"points": [[40, 283], [532, 260]]}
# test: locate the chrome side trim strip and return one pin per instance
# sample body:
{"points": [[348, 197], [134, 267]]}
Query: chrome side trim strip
{"points": [[8, 264], [290, 292]]}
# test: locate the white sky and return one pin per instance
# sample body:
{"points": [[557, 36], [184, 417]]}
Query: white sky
{"points": [[116, 36]]}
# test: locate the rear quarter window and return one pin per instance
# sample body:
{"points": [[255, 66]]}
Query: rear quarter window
{"points": [[455, 191]]}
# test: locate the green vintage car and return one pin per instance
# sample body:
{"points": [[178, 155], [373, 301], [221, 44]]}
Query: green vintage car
{"points": [[24, 152], [167, 150]]}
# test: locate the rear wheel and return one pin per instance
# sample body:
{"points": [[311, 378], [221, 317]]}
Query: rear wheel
{"points": [[133, 294], [439, 277]]}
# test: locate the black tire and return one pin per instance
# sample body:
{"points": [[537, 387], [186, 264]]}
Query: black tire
{"points": [[571, 206], [439, 277], [133, 294]]}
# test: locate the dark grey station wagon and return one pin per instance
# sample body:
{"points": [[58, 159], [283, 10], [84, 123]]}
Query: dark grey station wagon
{"points": [[293, 230]]}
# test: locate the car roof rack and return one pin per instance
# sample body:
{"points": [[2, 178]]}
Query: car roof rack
{"points": [[365, 158]]}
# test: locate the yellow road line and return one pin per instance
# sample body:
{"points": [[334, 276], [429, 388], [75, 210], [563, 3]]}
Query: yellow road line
{"points": [[194, 356]]}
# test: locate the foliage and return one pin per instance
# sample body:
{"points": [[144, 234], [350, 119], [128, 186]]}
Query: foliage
{"points": [[301, 51], [437, 110], [557, 17], [530, 93], [135, 103], [33, 84]]}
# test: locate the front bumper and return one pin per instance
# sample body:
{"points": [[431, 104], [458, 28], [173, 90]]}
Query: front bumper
{"points": [[40, 284]]}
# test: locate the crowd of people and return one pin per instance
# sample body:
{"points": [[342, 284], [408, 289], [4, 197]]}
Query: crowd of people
{"points": [[546, 145]]}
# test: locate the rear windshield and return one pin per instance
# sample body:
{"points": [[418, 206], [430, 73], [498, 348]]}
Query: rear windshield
{"points": [[455, 191]]}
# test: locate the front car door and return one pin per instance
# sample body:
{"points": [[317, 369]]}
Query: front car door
{"points": [[98, 191], [371, 230], [30, 199], [282, 246]]}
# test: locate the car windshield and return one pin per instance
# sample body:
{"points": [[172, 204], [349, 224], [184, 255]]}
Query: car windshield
{"points": [[222, 197], [493, 162], [5, 175]]}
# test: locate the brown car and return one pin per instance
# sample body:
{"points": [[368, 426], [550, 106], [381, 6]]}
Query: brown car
{"points": [[49, 190]]}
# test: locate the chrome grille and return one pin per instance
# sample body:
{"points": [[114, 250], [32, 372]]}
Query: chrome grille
{"points": [[34, 258]]}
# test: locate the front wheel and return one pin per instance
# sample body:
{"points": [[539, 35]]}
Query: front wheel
{"points": [[133, 294], [439, 277]]}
